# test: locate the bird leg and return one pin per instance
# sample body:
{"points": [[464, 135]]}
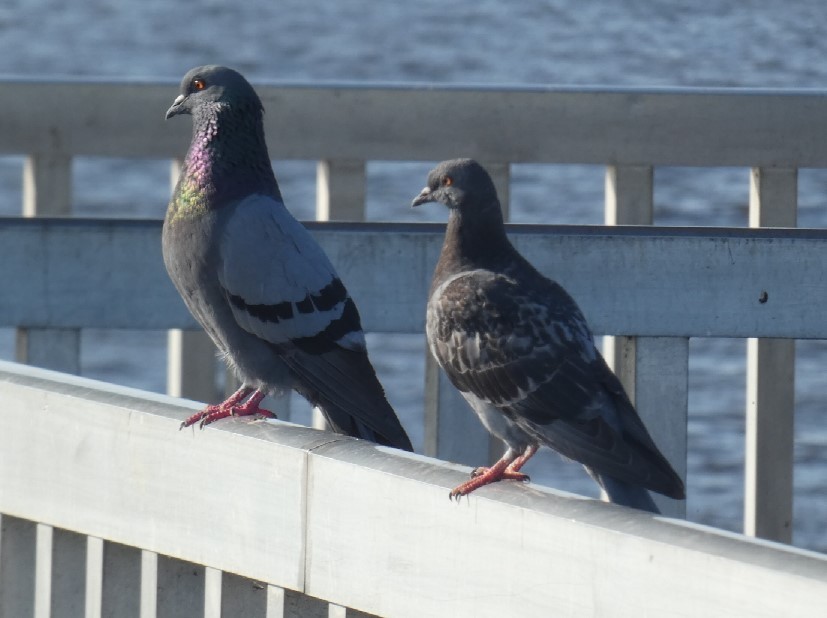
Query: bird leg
{"points": [[508, 467], [230, 407], [512, 471]]}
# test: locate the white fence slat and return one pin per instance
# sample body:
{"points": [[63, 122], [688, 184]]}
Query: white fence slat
{"points": [[17, 566], [656, 376], [336, 611], [768, 492], [191, 358], [340, 190], [773, 197], [43, 572], [47, 191], [47, 185], [340, 196], [653, 371], [275, 602], [628, 200], [629, 195], [149, 584], [768, 478], [68, 574], [94, 577], [212, 593]]}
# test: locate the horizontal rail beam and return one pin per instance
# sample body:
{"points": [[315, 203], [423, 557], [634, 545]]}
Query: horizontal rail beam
{"points": [[346, 121], [268, 501], [662, 282]]}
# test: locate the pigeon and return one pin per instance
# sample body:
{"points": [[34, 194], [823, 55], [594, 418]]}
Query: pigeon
{"points": [[518, 348], [254, 278]]}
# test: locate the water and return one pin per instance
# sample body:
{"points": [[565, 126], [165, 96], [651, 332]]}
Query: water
{"points": [[634, 43]]}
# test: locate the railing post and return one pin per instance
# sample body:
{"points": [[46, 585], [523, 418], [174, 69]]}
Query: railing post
{"points": [[94, 577], [336, 611], [452, 430], [340, 190], [149, 584], [47, 191], [340, 196], [191, 355], [212, 592], [768, 492], [654, 371], [275, 602], [191, 365], [43, 572], [47, 185]]}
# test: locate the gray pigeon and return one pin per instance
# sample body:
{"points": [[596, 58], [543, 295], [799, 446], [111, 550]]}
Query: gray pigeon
{"points": [[255, 279], [519, 350]]}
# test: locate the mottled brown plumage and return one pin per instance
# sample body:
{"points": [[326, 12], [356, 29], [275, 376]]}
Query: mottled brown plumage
{"points": [[518, 348]]}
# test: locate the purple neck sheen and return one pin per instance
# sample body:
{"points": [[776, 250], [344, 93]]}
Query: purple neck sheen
{"points": [[228, 158]]}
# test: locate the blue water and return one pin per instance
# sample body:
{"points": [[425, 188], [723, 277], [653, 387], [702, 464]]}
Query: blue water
{"points": [[633, 43]]}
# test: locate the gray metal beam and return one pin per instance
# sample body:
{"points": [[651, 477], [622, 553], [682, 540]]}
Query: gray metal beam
{"points": [[662, 282]]}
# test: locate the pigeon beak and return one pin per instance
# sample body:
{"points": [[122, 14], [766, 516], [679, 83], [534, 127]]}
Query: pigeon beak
{"points": [[424, 197], [176, 108]]}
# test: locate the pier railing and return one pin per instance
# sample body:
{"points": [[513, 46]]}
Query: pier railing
{"points": [[106, 509], [344, 127]]}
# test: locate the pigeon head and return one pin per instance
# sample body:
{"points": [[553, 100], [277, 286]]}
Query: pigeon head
{"points": [[214, 87], [462, 185], [227, 159]]}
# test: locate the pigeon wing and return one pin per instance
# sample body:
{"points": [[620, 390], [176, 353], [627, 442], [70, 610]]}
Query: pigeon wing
{"points": [[278, 282], [502, 340], [282, 288], [526, 349]]}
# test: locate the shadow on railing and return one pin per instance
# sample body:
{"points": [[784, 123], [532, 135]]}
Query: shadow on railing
{"points": [[271, 519]]}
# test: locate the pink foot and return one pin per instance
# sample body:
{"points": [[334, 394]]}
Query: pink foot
{"points": [[230, 407], [508, 467]]}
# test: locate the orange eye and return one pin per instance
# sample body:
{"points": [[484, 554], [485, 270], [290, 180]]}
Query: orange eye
{"points": [[198, 84], [447, 181]]}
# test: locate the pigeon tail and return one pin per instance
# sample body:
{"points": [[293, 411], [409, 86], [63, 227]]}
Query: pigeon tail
{"points": [[625, 494], [344, 386]]}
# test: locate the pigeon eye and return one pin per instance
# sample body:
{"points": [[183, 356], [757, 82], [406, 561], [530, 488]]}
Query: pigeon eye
{"points": [[198, 84], [447, 181]]}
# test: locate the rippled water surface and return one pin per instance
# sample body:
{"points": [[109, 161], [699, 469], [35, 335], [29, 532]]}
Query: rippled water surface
{"points": [[634, 43]]}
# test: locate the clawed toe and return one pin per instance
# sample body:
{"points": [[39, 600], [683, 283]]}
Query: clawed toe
{"points": [[230, 407]]}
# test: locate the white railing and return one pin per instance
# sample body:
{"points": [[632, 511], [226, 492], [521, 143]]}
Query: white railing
{"points": [[108, 510], [344, 127]]}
